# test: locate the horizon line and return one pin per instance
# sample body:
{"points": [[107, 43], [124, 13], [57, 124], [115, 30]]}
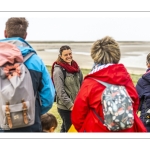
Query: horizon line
{"points": [[59, 41]]}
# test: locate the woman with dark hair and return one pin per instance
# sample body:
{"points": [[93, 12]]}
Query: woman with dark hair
{"points": [[67, 78], [87, 114]]}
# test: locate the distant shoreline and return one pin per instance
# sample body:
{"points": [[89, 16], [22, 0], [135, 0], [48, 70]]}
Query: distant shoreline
{"points": [[120, 42], [133, 54], [131, 70]]}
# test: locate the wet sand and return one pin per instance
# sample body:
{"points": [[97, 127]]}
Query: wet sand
{"points": [[133, 54]]}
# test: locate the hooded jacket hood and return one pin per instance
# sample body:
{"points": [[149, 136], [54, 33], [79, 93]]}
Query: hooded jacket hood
{"points": [[24, 47], [114, 74]]}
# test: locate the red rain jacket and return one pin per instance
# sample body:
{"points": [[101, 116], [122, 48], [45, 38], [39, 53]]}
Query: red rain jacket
{"points": [[89, 96]]}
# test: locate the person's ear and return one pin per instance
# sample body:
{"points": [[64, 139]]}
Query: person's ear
{"points": [[148, 65], [25, 35], [52, 129], [60, 56], [5, 34]]}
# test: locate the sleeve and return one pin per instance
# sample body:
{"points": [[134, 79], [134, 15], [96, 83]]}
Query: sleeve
{"points": [[42, 82], [81, 108], [133, 94], [81, 77], [58, 78], [140, 91], [47, 92]]}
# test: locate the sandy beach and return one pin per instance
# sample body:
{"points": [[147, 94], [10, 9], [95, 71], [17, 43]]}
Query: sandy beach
{"points": [[133, 54]]}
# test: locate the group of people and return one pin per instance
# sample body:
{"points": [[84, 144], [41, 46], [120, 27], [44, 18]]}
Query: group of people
{"points": [[76, 98]]}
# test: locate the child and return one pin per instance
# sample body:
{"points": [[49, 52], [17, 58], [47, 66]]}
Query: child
{"points": [[143, 89], [49, 122]]}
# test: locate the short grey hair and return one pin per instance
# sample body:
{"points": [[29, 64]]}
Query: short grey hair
{"points": [[105, 50]]}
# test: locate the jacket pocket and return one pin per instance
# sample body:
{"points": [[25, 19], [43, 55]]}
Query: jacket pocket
{"points": [[16, 115]]}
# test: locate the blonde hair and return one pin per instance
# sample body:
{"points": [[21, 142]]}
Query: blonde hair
{"points": [[105, 50]]}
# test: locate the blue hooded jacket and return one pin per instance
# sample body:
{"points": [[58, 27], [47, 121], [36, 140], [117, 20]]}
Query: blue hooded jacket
{"points": [[42, 83]]}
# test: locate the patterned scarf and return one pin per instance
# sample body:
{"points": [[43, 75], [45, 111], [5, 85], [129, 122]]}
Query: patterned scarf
{"points": [[97, 67]]}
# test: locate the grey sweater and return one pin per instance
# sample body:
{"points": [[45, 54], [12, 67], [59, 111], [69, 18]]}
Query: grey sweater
{"points": [[66, 89]]}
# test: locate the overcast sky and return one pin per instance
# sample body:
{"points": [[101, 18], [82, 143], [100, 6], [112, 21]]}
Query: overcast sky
{"points": [[83, 26]]}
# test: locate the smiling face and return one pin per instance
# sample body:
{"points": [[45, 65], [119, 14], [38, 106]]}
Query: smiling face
{"points": [[67, 56]]}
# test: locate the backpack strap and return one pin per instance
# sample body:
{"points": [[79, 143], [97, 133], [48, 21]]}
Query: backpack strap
{"points": [[80, 77], [25, 58], [100, 119], [63, 71], [8, 117], [103, 83], [94, 111], [24, 108]]}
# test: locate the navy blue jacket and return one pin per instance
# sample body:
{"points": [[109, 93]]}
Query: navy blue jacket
{"points": [[143, 89], [41, 80]]}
